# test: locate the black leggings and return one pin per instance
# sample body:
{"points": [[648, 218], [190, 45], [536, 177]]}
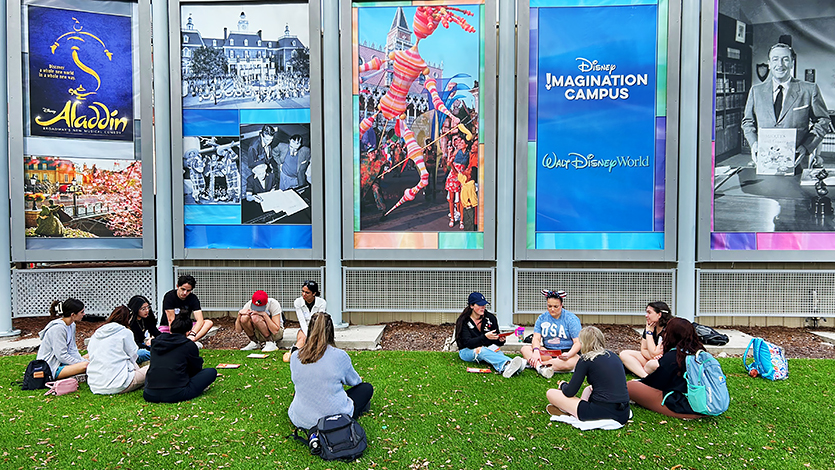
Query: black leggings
{"points": [[195, 387], [360, 394]]}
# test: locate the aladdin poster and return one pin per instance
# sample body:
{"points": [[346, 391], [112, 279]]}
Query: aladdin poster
{"points": [[80, 74]]}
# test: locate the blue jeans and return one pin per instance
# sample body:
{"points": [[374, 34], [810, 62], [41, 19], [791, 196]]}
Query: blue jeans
{"points": [[494, 358], [143, 355]]}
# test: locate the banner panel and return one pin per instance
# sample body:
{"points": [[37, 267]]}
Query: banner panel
{"points": [[80, 74], [417, 159], [246, 126], [773, 146], [82, 161], [597, 126]]}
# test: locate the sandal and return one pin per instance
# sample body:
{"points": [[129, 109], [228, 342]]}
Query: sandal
{"points": [[554, 411]]}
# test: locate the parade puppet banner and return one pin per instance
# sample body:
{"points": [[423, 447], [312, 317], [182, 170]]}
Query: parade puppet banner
{"points": [[416, 119], [781, 215], [80, 74], [246, 126], [596, 125]]}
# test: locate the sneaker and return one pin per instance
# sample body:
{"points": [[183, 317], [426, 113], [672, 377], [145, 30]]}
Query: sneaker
{"points": [[250, 347], [269, 347], [199, 344], [517, 364], [80, 378], [545, 371], [554, 411]]}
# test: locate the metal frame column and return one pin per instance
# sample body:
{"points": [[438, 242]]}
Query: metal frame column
{"points": [[332, 160], [5, 229], [505, 162], [688, 159], [162, 150]]}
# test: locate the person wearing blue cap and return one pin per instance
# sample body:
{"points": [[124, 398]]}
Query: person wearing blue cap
{"points": [[477, 336]]}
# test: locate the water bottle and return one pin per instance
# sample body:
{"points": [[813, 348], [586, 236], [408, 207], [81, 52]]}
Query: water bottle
{"points": [[314, 445]]}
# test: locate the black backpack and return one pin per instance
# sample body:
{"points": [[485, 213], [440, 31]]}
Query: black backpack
{"points": [[37, 375], [709, 336], [335, 437]]}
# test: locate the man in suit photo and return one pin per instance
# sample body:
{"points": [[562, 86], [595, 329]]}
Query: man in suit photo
{"points": [[290, 161], [785, 102]]}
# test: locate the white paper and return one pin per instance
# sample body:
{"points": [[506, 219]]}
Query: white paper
{"points": [[277, 201], [776, 151]]}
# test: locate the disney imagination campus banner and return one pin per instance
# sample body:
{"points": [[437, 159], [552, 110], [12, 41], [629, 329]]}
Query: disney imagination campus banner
{"points": [[80, 74], [596, 127]]}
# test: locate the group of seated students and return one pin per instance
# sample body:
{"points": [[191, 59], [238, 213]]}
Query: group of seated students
{"points": [[130, 336], [111, 364], [320, 371], [560, 344]]}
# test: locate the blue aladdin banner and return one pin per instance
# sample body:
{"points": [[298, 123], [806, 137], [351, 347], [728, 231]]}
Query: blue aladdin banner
{"points": [[80, 74], [596, 120]]}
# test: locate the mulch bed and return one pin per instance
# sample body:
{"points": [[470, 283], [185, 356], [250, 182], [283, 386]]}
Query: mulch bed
{"points": [[404, 336]]}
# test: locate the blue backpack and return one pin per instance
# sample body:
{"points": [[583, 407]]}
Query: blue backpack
{"points": [[707, 389], [769, 360]]}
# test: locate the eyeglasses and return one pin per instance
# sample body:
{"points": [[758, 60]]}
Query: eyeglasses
{"points": [[144, 308]]}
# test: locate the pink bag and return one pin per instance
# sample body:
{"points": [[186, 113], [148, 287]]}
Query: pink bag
{"points": [[62, 387]]}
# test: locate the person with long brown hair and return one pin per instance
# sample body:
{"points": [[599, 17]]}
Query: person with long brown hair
{"points": [[319, 372], [663, 391], [58, 346], [113, 356], [643, 362]]}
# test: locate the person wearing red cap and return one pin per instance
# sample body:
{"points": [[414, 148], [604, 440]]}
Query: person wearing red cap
{"points": [[261, 320]]}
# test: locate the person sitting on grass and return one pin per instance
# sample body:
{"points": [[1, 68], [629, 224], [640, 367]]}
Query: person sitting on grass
{"points": [[260, 318], [176, 373], [143, 324], [555, 345], [663, 391], [319, 372], [477, 336], [58, 346], [309, 303], [606, 396], [113, 354], [182, 298], [645, 361]]}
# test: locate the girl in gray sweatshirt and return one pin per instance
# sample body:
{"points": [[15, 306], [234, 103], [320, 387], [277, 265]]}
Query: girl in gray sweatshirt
{"points": [[58, 347]]}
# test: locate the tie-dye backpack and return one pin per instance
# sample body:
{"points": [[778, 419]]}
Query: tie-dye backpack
{"points": [[769, 360]]}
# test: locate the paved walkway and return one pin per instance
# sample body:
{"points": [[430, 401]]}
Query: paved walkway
{"points": [[353, 337], [369, 337]]}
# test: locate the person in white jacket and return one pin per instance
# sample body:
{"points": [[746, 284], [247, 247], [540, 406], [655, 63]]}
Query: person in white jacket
{"points": [[58, 346], [113, 354], [309, 303]]}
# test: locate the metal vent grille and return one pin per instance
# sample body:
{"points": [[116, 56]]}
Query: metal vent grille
{"points": [[413, 290], [595, 292], [228, 289], [101, 289], [766, 293]]}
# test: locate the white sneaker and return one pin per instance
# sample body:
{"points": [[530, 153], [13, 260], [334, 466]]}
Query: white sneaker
{"points": [[251, 346], [511, 368], [545, 371], [199, 344], [269, 347]]}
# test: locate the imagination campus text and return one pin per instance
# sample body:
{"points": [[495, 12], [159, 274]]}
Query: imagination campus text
{"points": [[606, 84]]}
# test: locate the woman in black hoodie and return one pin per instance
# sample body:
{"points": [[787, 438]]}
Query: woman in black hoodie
{"points": [[143, 324], [176, 373]]}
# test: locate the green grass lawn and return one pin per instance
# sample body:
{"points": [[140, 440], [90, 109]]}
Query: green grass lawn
{"points": [[427, 412]]}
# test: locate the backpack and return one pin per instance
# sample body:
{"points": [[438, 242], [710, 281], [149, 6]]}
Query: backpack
{"points": [[707, 389], [769, 360], [709, 336], [62, 387], [335, 437], [37, 375]]}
